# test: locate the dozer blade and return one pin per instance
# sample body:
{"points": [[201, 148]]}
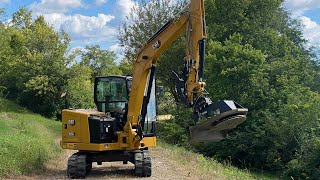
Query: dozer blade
{"points": [[221, 117]]}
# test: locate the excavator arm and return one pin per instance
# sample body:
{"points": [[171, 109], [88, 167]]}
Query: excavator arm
{"points": [[190, 87]]}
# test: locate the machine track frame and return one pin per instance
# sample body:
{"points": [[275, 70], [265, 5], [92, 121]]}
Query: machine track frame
{"points": [[80, 163]]}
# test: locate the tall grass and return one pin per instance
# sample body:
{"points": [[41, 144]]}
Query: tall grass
{"points": [[27, 140], [209, 167]]}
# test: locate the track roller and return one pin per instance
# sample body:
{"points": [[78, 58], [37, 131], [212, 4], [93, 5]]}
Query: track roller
{"points": [[142, 164]]}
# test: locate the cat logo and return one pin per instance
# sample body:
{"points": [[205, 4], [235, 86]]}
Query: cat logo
{"points": [[156, 45]]}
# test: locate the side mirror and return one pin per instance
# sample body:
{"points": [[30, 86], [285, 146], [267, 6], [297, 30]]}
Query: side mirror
{"points": [[160, 90]]}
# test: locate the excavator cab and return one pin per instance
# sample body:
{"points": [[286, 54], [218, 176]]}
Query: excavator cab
{"points": [[111, 93]]}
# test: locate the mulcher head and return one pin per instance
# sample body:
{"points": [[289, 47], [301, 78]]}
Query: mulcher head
{"points": [[221, 117]]}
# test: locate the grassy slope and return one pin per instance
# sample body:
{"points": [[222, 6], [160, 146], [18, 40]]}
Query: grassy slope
{"points": [[27, 140], [210, 168]]}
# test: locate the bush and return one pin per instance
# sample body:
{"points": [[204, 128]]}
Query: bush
{"points": [[176, 131]]}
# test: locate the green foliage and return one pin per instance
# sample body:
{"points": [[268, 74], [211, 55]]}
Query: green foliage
{"points": [[22, 19], [165, 103], [125, 67], [33, 63], [3, 91], [145, 20], [282, 109], [176, 131], [2, 15], [102, 62], [305, 110], [171, 60], [263, 23], [171, 133], [24, 150], [36, 71], [231, 63], [80, 87], [94, 62]]}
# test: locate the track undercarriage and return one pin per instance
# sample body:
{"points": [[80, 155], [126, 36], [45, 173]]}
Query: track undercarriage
{"points": [[80, 163]]}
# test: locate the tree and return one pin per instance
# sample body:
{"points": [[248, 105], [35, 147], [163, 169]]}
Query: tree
{"points": [[125, 67], [79, 87], [256, 56], [22, 18], [83, 65], [145, 20], [102, 62], [2, 14], [34, 63]]}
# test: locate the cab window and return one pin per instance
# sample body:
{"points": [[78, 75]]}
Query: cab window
{"points": [[111, 94]]}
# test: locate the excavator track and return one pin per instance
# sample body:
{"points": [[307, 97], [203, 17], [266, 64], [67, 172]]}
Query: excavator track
{"points": [[142, 163], [78, 166]]}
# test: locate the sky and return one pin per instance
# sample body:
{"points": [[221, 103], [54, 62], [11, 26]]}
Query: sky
{"points": [[97, 21]]}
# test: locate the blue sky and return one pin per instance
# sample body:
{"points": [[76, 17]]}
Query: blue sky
{"points": [[96, 22], [86, 22]]}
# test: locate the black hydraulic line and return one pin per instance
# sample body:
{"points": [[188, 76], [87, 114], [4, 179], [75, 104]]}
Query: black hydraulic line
{"points": [[203, 25], [202, 47], [160, 31], [147, 98]]}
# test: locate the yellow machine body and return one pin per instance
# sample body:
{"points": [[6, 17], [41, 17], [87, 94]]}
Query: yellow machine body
{"points": [[76, 135]]}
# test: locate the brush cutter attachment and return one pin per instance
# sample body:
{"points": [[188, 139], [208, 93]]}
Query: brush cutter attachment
{"points": [[221, 117]]}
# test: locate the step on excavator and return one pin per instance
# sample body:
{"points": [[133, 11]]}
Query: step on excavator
{"points": [[123, 127]]}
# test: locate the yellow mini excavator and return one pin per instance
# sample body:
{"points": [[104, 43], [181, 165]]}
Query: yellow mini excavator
{"points": [[124, 125]]}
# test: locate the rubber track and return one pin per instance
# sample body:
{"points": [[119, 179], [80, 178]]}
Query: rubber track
{"points": [[138, 164], [77, 166], [146, 164], [142, 164]]}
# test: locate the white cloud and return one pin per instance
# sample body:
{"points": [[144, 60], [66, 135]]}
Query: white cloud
{"points": [[125, 6], [73, 49], [85, 29], [116, 48], [311, 30], [101, 1], [55, 6], [298, 7]]}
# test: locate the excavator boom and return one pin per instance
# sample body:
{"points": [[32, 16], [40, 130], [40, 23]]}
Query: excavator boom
{"points": [[190, 86]]}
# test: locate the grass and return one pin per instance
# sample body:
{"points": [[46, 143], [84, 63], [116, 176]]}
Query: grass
{"points": [[27, 140], [209, 167]]}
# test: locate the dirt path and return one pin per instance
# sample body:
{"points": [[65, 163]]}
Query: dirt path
{"points": [[163, 167]]}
